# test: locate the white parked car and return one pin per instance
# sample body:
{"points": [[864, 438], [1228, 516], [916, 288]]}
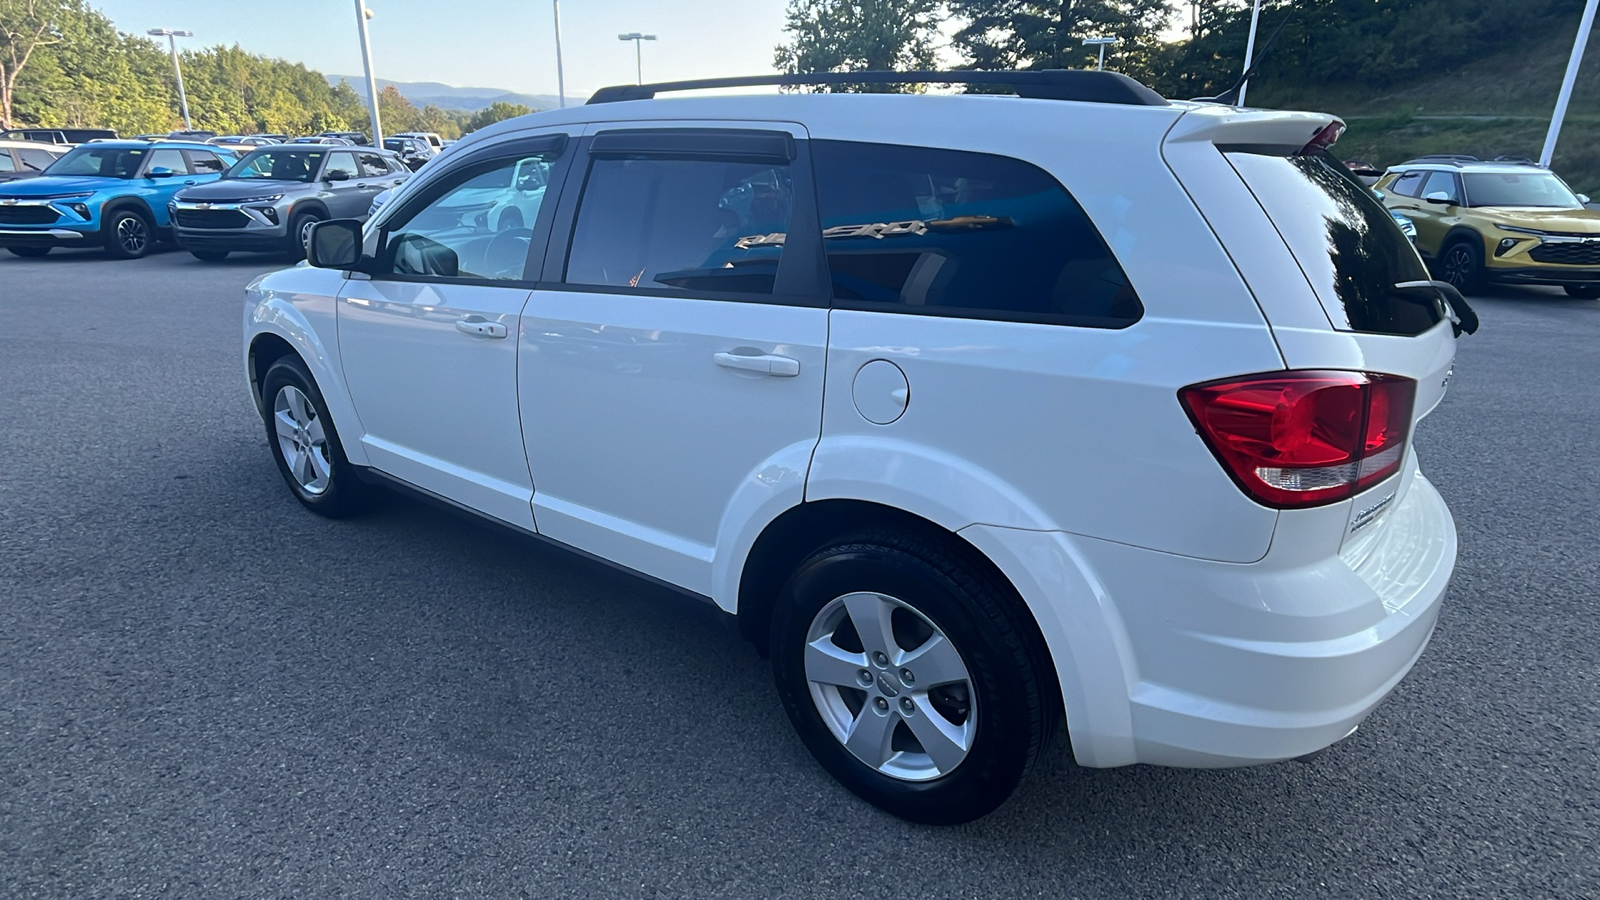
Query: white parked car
{"points": [[978, 412]]}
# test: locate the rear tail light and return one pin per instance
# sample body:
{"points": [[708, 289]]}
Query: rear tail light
{"points": [[1298, 439]]}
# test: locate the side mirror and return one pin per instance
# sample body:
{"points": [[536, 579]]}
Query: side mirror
{"points": [[335, 244], [1440, 197], [1584, 199], [337, 175], [1380, 194], [159, 172]]}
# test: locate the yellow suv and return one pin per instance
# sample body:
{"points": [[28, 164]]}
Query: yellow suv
{"points": [[1482, 220]]}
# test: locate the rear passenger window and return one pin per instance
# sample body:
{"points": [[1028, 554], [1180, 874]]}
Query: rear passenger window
{"points": [[373, 165], [967, 234], [6, 165], [681, 224], [1409, 184], [203, 163], [35, 160]]}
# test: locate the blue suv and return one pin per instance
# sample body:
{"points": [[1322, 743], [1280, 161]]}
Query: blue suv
{"points": [[111, 194]]}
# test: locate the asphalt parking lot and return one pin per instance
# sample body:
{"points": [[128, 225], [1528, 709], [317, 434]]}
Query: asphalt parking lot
{"points": [[206, 691]]}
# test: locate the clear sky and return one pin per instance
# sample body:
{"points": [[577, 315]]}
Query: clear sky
{"points": [[483, 43], [505, 44]]}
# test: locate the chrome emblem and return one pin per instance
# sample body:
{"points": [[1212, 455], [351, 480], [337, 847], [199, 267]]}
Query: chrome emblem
{"points": [[202, 206]]}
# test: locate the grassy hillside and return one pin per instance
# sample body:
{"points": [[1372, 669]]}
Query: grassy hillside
{"points": [[1498, 105]]}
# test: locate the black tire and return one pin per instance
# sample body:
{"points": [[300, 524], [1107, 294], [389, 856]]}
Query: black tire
{"points": [[1461, 264], [210, 255], [299, 224], [1009, 693], [344, 493], [1582, 291], [128, 234], [29, 252]]}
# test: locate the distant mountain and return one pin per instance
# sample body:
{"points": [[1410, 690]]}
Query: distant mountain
{"points": [[445, 96]]}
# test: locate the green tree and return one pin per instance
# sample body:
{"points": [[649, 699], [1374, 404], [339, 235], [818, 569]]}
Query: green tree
{"points": [[26, 26], [494, 112], [859, 35], [1048, 34]]}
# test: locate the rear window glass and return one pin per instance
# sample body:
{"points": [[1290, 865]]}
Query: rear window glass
{"points": [[915, 229], [1347, 244]]}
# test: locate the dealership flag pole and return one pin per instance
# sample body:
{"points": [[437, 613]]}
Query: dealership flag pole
{"points": [[1566, 84], [1250, 48], [372, 83]]}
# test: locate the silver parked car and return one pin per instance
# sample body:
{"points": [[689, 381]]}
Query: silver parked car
{"points": [[270, 199]]}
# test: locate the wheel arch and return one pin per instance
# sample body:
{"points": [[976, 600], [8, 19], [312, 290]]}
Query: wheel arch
{"points": [[802, 529], [309, 204], [1464, 234], [137, 204]]}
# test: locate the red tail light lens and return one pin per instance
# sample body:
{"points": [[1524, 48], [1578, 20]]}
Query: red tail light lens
{"points": [[1298, 439]]}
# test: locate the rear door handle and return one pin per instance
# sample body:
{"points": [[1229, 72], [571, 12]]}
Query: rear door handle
{"points": [[478, 326], [765, 363]]}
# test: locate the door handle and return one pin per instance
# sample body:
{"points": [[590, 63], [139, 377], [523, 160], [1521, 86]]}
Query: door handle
{"points": [[478, 326], [765, 363]]}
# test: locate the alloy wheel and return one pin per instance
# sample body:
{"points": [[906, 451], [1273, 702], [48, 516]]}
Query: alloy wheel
{"points": [[302, 440], [305, 232], [1458, 264], [890, 686], [132, 236]]}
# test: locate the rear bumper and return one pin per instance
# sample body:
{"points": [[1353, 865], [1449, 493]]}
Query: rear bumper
{"points": [[46, 237], [1185, 662]]}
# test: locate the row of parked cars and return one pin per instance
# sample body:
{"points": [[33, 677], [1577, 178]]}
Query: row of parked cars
{"points": [[211, 197]]}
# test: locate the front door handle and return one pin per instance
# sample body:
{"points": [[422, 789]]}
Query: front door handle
{"points": [[478, 326], [765, 363]]}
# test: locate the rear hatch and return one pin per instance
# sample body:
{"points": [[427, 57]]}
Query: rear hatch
{"points": [[1332, 300]]}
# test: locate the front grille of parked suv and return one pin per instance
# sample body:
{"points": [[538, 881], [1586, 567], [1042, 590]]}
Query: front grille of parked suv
{"points": [[212, 218], [1584, 254], [28, 215]]}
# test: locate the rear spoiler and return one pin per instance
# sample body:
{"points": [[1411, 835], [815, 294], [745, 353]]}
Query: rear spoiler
{"points": [[1255, 130]]}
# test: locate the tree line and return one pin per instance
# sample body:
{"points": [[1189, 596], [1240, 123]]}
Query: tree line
{"points": [[63, 63], [1352, 43]]}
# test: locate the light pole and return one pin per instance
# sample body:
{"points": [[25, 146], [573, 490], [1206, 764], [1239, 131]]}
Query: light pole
{"points": [[172, 42], [1250, 48], [638, 57], [561, 81], [1102, 43], [1565, 96], [362, 15]]}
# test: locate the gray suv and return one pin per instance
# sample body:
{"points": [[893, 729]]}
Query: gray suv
{"points": [[270, 199]]}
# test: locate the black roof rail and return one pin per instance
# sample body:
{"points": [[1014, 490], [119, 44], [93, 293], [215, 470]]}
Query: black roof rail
{"points": [[1515, 160], [1043, 84]]}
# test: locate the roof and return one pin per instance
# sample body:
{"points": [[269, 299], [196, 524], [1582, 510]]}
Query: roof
{"points": [[34, 145], [1490, 167], [1085, 85], [131, 144]]}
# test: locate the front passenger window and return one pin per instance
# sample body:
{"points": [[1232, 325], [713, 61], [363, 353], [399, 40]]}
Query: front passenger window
{"points": [[480, 227]]}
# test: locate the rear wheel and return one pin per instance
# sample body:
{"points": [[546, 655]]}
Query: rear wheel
{"points": [[29, 252], [1582, 291], [210, 255], [908, 677], [129, 234], [305, 444], [1461, 264]]}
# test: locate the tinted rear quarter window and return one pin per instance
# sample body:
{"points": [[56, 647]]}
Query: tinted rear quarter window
{"points": [[1346, 243], [915, 229]]}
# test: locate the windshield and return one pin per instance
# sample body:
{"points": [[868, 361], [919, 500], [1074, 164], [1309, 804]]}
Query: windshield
{"points": [[106, 162], [1519, 189], [279, 164]]}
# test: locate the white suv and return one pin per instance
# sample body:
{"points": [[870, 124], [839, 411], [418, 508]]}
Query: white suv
{"points": [[977, 411]]}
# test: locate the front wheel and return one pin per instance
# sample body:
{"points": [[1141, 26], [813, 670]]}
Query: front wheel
{"points": [[129, 234], [29, 252], [305, 444], [1582, 291], [909, 677], [1461, 264], [300, 232]]}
